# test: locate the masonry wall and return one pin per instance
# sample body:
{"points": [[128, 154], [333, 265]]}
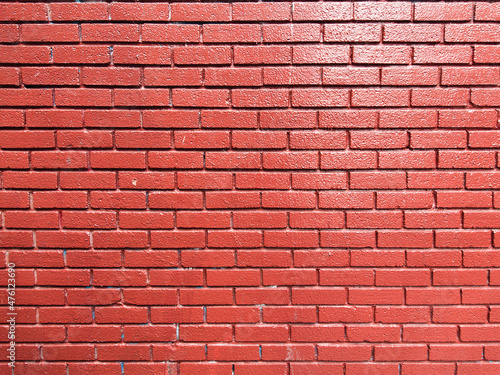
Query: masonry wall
{"points": [[251, 187]]}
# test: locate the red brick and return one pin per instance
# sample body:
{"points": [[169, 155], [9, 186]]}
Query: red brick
{"points": [[202, 258], [201, 140], [470, 76], [177, 239], [303, 11], [400, 118], [16, 199], [379, 258], [348, 160], [233, 160], [264, 98], [139, 12], [402, 314], [472, 33], [59, 160], [16, 239], [67, 239], [410, 76], [204, 180], [238, 239], [460, 314], [212, 296], [407, 159], [88, 220], [205, 333], [433, 296], [429, 368], [80, 12], [22, 219], [347, 239], [170, 33], [469, 239], [283, 33], [11, 118], [476, 368], [432, 219], [110, 32], [413, 33], [49, 33], [232, 187], [130, 200], [466, 199], [351, 76], [141, 98], [380, 97], [348, 119], [84, 139], [228, 119], [369, 296], [353, 32], [111, 76], [83, 97], [397, 11], [405, 239], [200, 98], [142, 55], [484, 97], [202, 55], [257, 140], [232, 77], [231, 33], [293, 119], [442, 54], [257, 219], [404, 200], [30, 180], [398, 352], [9, 33], [54, 119], [344, 277], [382, 55], [15, 139], [322, 220], [50, 76], [13, 54], [435, 180], [428, 333], [176, 277], [236, 352], [486, 54], [370, 219], [81, 54], [175, 160], [439, 97], [290, 160], [482, 180], [443, 12], [438, 139], [320, 54], [24, 12], [378, 180], [232, 199], [26, 97], [200, 12]]}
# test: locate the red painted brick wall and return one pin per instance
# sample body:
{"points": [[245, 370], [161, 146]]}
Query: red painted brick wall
{"points": [[251, 188]]}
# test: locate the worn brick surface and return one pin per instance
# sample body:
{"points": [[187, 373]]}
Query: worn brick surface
{"points": [[272, 187]]}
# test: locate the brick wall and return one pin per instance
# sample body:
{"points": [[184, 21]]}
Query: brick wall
{"points": [[251, 188]]}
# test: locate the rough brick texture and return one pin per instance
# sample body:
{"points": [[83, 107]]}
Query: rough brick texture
{"points": [[282, 188]]}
